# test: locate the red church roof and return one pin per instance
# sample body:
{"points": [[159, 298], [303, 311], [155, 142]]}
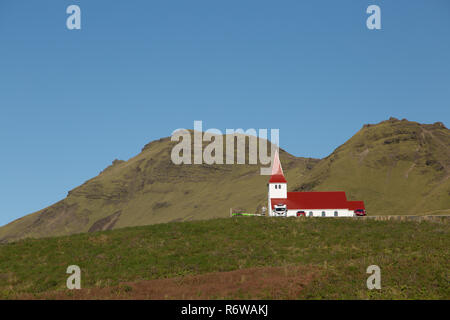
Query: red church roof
{"points": [[277, 171], [314, 200], [318, 200]]}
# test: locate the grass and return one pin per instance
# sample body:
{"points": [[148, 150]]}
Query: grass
{"points": [[413, 256]]}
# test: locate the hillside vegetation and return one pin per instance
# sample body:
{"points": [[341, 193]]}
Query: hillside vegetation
{"points": [[282, 258], [396, 167]]}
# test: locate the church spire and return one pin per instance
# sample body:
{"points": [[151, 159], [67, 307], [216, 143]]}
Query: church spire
{"points": [[277, 171]]}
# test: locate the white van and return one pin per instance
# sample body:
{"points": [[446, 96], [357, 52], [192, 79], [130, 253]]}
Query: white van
{"points": [[279, 210]]}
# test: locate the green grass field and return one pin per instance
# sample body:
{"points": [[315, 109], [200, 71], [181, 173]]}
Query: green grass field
{"points": [[413, 256]]}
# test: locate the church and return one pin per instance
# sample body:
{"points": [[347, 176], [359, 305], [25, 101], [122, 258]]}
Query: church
{"points": [[310, 204]]}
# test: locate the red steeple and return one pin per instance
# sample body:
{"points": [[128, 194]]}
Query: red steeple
{"points": [[277, 171]]}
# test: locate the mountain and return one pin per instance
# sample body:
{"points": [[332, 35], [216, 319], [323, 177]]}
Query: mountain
{"points": [[396, 167]]}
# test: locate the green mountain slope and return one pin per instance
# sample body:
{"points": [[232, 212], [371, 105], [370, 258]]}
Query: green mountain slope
{"points": [[396, 167], [150, 189]]}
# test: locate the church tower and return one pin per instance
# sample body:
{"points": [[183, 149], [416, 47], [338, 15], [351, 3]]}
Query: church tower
{"points": [[277, 182]]}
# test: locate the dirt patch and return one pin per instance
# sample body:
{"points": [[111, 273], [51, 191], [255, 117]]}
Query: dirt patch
{"points": [[106, 223], [160, 205], [253, 283]]}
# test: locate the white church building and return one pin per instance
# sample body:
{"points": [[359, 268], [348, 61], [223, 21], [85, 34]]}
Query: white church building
{"points": [[310, 204]]}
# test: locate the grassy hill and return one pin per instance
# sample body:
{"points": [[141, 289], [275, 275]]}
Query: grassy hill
{"points": [[396, 167], [275, 258]]}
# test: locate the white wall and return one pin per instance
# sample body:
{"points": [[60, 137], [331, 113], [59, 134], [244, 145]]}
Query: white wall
{"points": [[281, 193], [277, 193], [328, 213]]}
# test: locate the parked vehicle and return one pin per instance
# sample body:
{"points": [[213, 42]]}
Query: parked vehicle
{"points": [[301, 214], [280, 210], [360, 212]]}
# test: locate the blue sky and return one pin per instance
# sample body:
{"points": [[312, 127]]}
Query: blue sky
{"points": [[73, 101]]}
